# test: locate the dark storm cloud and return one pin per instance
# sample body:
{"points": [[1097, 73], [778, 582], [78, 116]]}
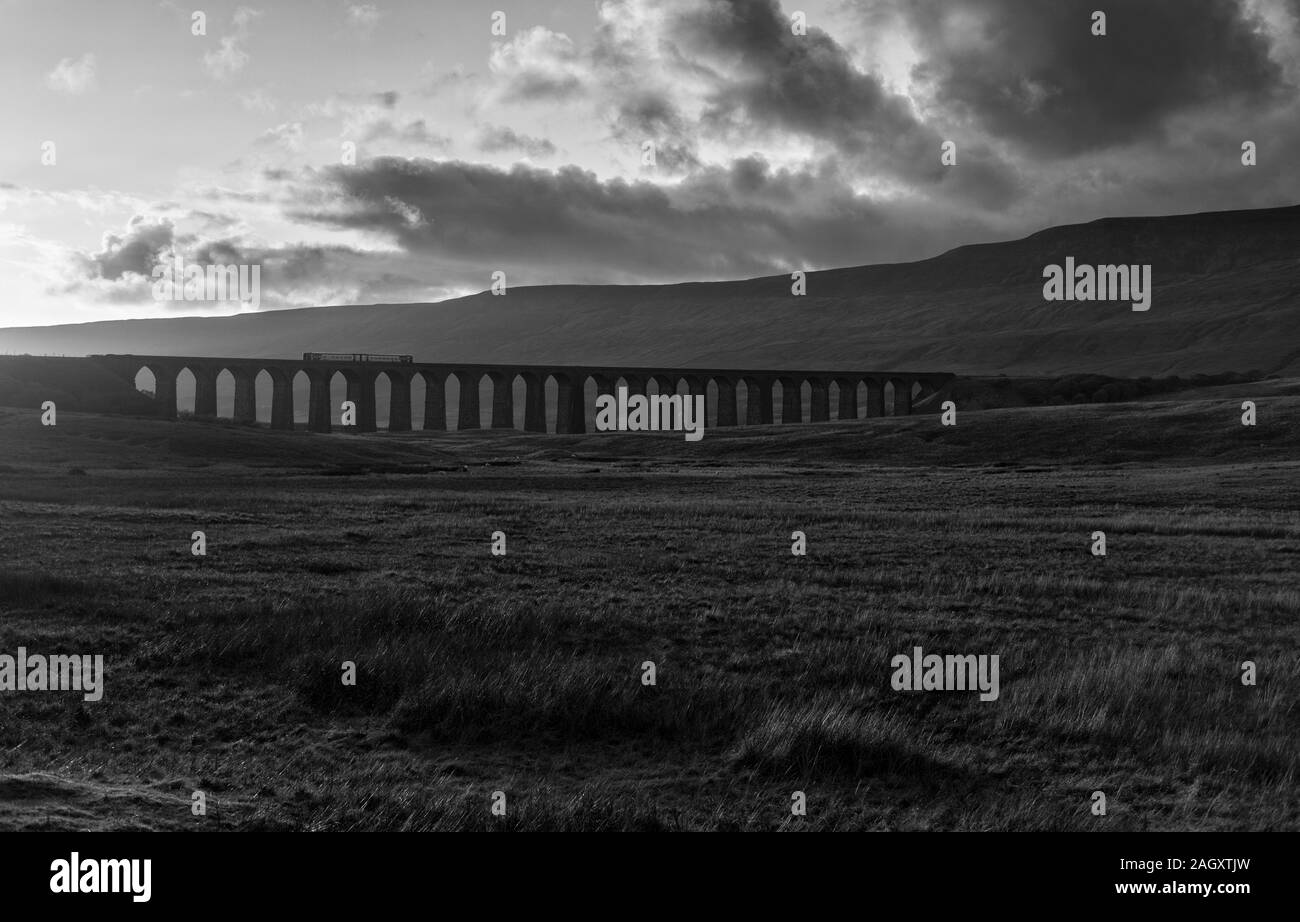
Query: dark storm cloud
{"points": [[1034, 74], [282, 267], [803, 84], [136, 251], [734, 72], [291, 275], [642, 115], [568, 225], [980, 178], [638, 98]]}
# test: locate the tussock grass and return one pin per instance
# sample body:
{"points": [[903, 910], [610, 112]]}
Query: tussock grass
{"points": [[826, 739], [470, 673], [1169, 705]]}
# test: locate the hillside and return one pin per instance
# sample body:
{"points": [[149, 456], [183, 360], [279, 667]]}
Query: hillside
{"points": [[1226, 297]]}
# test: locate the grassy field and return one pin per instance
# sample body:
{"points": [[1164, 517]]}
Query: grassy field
{"points": [[522, 673]]}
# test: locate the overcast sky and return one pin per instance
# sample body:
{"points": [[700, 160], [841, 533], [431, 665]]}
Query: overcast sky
{"points": [[523, 152]]}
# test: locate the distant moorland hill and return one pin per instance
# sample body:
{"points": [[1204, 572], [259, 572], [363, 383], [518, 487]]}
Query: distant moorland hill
{"points": [[1226, 297]]}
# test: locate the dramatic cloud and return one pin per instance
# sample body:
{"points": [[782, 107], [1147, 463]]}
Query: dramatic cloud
{"points": [[1035, 74], [770, 79], [775, 148], [544, 226], [292, 275], [683, 74], [136, 251]]}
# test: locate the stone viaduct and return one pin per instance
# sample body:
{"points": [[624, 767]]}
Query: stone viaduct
{"points": [[906, 388]]}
